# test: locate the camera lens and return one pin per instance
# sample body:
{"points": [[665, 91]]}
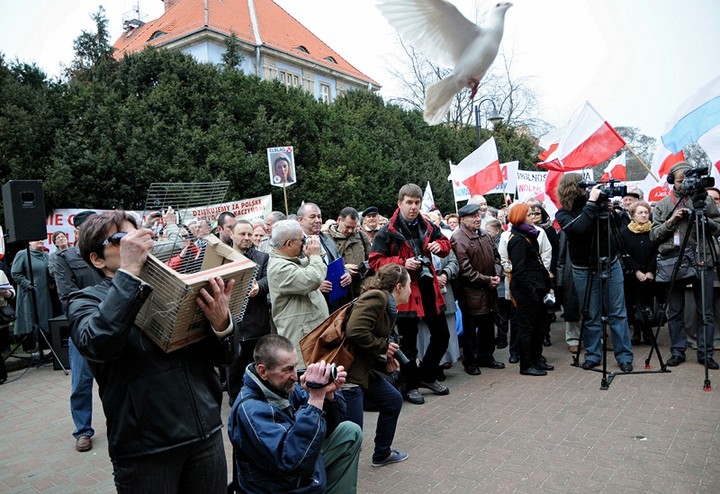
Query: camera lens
{"points": [[333, 373], [401, 357]]}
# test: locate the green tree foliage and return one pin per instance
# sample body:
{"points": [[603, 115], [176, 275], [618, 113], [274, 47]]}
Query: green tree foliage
{"points": [[101, 137]]}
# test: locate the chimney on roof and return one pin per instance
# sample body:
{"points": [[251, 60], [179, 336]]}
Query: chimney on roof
{"points": [[170, 3]]}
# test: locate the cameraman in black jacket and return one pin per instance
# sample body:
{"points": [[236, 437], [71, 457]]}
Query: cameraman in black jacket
{"points": [[591, 246]]}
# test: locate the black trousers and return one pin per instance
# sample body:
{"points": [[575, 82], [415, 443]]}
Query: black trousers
{"points": [[439, 337], [532, 319], [478, 339]]}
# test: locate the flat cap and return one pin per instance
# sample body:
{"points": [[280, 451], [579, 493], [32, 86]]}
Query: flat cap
{"points": [[81, 217], [370, 210], [468, 209]]}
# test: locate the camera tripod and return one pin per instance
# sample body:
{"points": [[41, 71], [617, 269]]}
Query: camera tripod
{"points": [[697, 222], [37, 334], [597, 282]]}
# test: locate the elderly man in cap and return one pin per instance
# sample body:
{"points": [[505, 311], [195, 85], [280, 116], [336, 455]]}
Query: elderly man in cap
{"points": [[476, 294], [72, 273], [671, 221], [631, 197], [370, 222]]}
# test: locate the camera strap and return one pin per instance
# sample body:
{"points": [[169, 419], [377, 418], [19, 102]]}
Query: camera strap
{"points": [[415, 243]]}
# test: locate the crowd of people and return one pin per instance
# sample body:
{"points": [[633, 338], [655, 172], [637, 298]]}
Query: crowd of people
{"points": [[428, 291]]}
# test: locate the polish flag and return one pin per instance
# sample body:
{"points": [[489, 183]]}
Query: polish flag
{"points": [[616, 169], [587, 141], [480, 171], [655, 189]]}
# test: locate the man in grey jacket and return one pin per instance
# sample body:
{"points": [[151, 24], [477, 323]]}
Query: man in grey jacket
{"points": [[671, 221]]}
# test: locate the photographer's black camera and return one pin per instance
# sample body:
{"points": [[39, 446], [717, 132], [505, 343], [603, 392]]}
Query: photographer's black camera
{"points": [[608, 189], [398, 355], [425, 271], [364, 269]]}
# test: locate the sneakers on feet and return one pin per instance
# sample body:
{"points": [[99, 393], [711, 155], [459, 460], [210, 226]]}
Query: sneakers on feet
{"points": [[436, 387], [414, 397], [395, 456]]}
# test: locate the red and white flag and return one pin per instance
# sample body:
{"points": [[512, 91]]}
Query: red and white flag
{"points": [[655, 189], [480, 170], [587, 141], [616, 169]]}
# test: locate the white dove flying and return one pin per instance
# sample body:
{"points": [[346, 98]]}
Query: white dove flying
{"points": [[448, 38]]}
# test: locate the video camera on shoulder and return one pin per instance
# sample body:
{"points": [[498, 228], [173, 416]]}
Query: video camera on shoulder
{"points": [[608, 189]]}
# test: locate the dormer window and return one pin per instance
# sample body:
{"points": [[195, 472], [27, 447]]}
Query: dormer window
{"points": [[331, 60], [302, 49], [156, 35]]}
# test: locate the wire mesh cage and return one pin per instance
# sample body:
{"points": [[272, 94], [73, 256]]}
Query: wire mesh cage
{"points": [[182, 262]]}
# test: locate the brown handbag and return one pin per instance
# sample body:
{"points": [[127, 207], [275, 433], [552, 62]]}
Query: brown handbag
{"points": [[328, 341]]}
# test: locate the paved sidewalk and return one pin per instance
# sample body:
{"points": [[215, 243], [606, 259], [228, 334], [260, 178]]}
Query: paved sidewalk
{"points": [[498, 432]]}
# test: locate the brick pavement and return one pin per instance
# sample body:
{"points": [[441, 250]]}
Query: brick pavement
{"points": [[498, 432]]}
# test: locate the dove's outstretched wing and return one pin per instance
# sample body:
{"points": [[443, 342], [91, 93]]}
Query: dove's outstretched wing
{"points": [[436, 27]]}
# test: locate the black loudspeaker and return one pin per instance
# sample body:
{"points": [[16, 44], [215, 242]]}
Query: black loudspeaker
{"points": [[24, 205], [59, 336]]}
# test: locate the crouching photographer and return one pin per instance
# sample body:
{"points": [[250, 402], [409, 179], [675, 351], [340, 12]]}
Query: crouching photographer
{"points": [[368, 330], [687, 206], [590, 216]]}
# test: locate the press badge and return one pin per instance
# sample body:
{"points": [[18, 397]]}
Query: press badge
{"points": [[676, 238]]}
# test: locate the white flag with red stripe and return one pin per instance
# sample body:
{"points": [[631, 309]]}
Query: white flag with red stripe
{"points": [[655, 189], [480, 170], [616, 169], [587, 141]]}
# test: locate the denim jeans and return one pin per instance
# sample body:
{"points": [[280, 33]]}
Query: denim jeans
{"points": [[196, 467], [81, 394], [614, 301], [383, 396]]}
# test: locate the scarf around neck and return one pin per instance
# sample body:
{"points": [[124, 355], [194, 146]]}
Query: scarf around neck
{"points": [[638, 228]]}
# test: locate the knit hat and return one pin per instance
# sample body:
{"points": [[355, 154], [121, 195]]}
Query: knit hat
{"points": [[81, 217]]}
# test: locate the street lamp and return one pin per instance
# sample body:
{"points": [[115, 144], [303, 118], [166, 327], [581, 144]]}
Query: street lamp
{"points": [[493, 117]]}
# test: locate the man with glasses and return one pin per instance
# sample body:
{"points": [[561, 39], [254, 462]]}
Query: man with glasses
{"points": [[162, 409], [294, 280]]}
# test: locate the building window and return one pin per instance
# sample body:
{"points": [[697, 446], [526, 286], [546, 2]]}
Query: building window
{"points": [[331, 59], [289, 79], [302, 49], [324, 92], [308, 85]]}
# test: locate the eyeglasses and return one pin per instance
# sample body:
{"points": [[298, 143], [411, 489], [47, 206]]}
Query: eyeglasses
{"points": [[303, 240], [114, 239], [536, 214]]}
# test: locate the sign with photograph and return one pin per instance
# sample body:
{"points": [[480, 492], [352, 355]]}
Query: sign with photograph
{"points": [[281, 163]]}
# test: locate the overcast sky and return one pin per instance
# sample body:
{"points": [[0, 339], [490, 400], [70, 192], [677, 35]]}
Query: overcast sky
{"points": [[634, 60]]}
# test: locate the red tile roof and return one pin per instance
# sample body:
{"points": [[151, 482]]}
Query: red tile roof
{"points": [[277, 29]]}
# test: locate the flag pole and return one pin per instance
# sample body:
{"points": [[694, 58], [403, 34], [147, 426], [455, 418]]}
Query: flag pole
{"points": [[650, 172], [285, 196]]}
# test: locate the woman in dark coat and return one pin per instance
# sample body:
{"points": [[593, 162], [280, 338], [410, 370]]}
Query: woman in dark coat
{"points": [[641, 264], [529, 284], [42, 280], [369, 325], [541, 219]]}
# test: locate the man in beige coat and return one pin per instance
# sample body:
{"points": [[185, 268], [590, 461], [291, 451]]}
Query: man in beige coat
{"points": [[294, 280]]}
